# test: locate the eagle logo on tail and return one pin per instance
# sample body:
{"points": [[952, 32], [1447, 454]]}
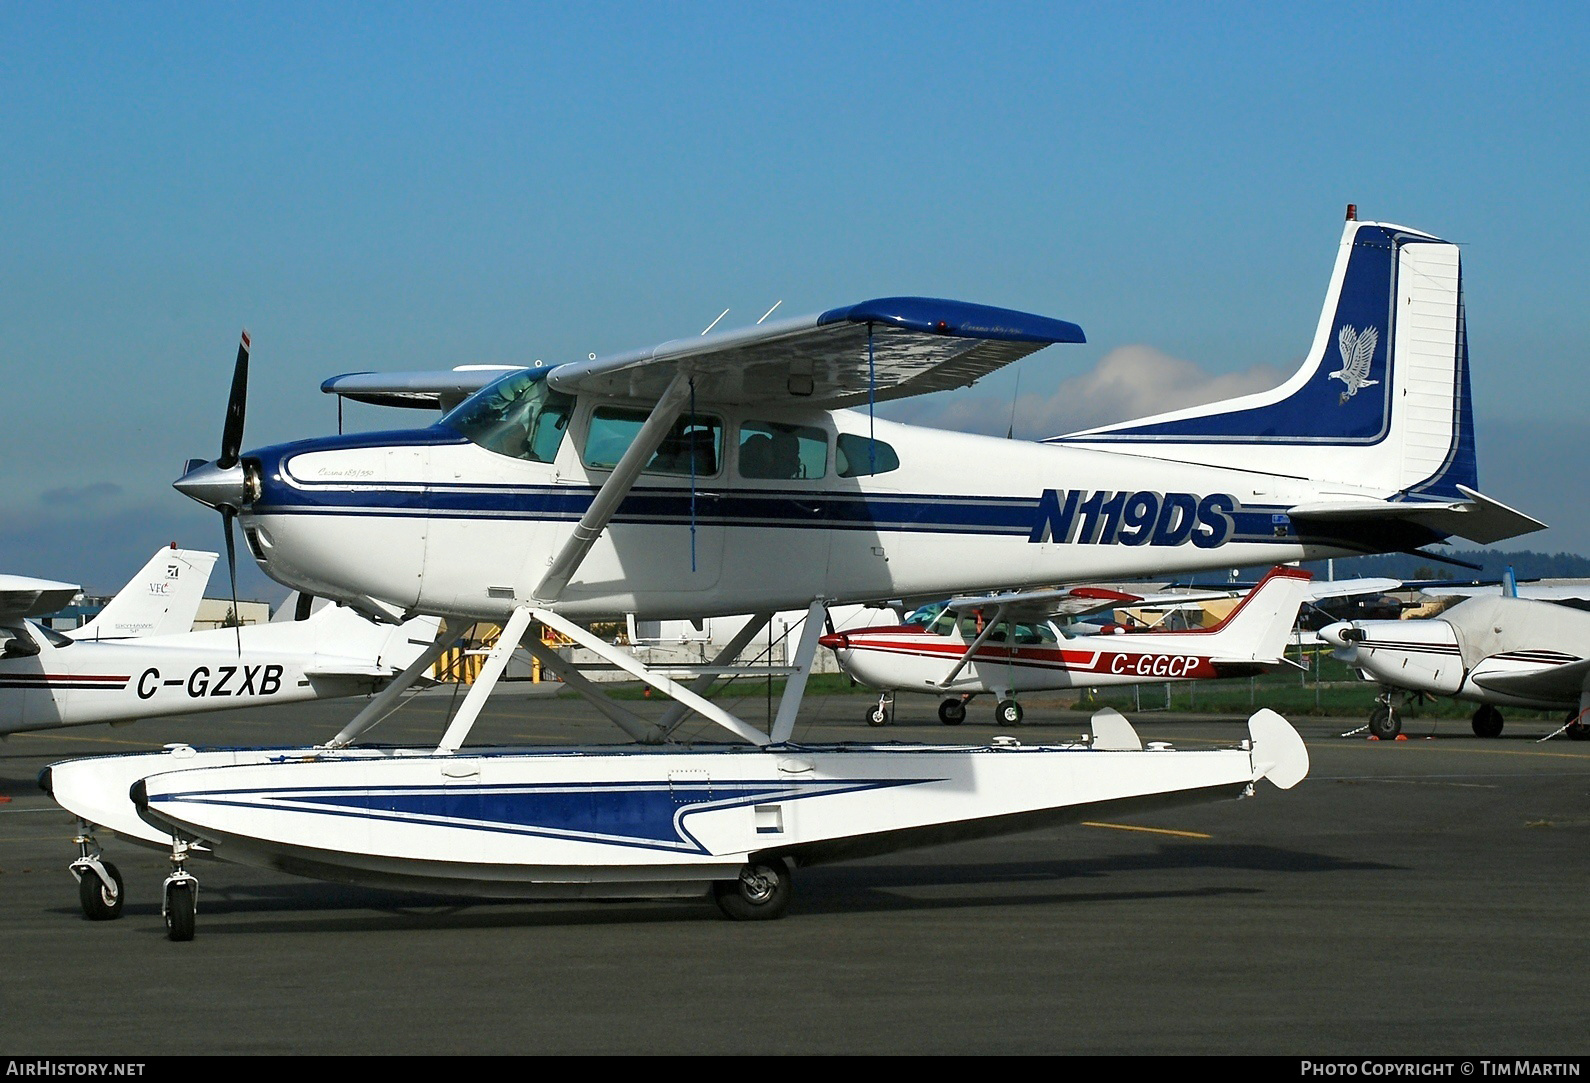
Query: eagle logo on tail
{"points": [[1358, 349]]}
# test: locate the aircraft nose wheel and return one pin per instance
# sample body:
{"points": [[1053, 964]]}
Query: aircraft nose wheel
{"points": [[1384, 722], [1008, 713], [952, 712], [761, 893], [1577, 729], [878, 713]]}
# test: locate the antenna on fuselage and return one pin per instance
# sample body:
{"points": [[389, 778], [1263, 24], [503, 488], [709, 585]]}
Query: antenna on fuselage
{"points": [[1010, 433], [769, 312], [714, 323]]}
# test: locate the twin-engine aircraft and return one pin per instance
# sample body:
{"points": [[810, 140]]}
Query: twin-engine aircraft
{"points": [[744, 471], [139, 657], [1006, 644], [1494, 651]]}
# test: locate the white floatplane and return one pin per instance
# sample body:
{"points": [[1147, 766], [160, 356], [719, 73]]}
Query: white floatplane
{"points": [[726, 474]]}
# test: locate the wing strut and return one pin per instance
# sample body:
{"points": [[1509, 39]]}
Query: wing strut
{"points": [[614, 489], [999, 615], [387, 701]]}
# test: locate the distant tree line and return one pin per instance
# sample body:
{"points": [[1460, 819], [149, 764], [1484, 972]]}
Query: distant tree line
{"points": [[1414, 567]]}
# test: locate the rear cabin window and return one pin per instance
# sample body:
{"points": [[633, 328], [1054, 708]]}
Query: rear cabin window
{"points": [[770, 449], [693, 446], [861, 456], [519, 415]]}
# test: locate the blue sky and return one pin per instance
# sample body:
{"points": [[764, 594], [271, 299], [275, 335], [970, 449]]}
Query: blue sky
{"points": [[414, 186]]}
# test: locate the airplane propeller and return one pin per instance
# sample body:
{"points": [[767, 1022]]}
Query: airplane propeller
{"points": [[224, 484]]}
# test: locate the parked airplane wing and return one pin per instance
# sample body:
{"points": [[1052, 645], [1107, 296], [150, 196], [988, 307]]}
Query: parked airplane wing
{"points": [[883, 349], [442, 389], [1563, 683], [22, 597]]}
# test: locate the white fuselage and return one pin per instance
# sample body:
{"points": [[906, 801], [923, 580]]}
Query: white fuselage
{"points": [[121, 681], [429, 522]]}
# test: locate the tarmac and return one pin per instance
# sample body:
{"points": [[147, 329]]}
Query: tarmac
{"points": [[1416, 897]]}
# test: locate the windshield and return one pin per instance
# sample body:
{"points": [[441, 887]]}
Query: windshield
{"points": [[519, 415]]}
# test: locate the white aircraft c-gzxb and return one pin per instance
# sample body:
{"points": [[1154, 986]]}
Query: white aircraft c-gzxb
{"points": [[731, 473], [139, 658]]}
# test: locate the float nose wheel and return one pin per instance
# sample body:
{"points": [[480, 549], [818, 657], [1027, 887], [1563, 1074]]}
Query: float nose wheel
{"points": [[179, 903], [99, 884]]}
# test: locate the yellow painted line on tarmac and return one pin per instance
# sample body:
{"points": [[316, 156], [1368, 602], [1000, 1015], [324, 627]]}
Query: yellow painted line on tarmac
{"points": [[1507, 752], [1150, 830]]}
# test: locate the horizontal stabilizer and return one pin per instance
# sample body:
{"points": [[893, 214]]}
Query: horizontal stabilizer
{"points": [[1279, 754], [1478, 518]]}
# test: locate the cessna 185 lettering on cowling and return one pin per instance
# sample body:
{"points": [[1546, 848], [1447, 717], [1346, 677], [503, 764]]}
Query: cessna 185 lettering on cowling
{"points": [[728, 474]]}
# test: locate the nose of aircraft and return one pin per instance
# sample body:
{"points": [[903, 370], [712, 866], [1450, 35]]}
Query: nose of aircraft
{"points": [[213, 485], [1341, 635]]}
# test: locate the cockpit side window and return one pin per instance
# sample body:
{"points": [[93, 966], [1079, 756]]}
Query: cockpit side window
{"points": [[693, 446], [861, 456], [772, 449], [518, 415]]}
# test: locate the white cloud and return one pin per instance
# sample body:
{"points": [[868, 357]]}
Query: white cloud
{"points": [[1128, 382]]}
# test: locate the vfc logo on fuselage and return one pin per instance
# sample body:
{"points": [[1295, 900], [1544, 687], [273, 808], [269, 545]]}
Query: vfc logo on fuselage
{"points": [[1106, 517]]}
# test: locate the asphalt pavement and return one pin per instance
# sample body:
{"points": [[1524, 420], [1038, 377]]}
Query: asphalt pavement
{"points": [[1411, 897]]}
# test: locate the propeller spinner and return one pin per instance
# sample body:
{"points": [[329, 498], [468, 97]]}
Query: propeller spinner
{"points": [[225, 484]]}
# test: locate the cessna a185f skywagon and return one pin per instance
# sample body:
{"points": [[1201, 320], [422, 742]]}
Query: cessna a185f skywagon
{"points": [[741, 472]]}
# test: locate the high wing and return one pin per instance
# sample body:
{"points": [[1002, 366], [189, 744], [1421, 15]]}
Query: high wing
{"points": [[22, 597], [1027, 606], [442, 389], [1320, 589], [1552, 683], [888, 348]]}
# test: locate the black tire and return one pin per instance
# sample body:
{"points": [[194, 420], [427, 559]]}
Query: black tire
{"points": [[179, 910], [760, 893], [96, 899], [1008, 713], [952, 712], [1487, 721], [877, 715], [1384, 722], [1577, 731]]}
